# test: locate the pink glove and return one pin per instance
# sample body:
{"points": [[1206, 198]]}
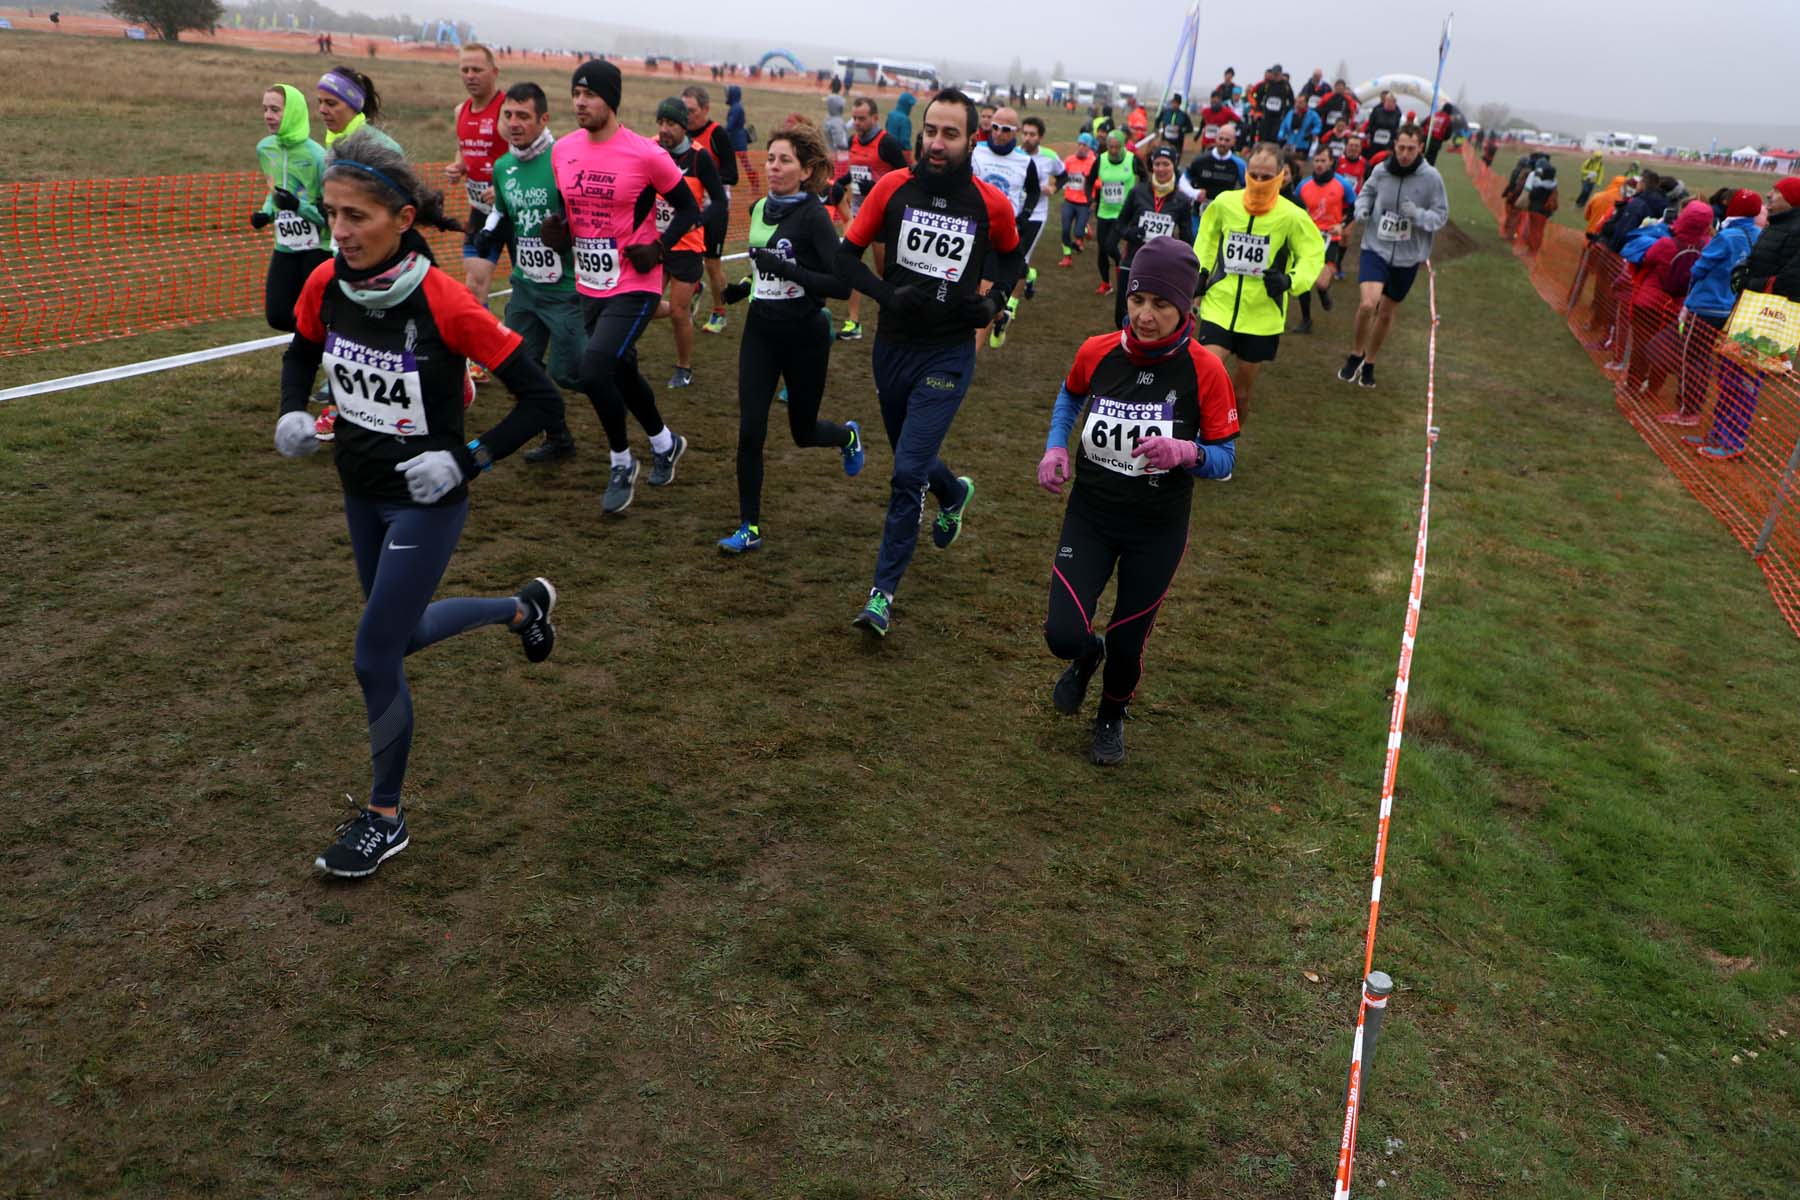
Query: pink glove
{"points": [[1167, 453], [1053, 468]]}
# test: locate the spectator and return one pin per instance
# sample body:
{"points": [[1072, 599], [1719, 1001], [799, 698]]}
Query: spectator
{"points": [[1709, 302], [1591, 171], [1661, 284], [1137, 123], [837, 131], [1649, 203], [1539, 203], [735, 127], [1773, 265], [899, 121], [1513, 194]]}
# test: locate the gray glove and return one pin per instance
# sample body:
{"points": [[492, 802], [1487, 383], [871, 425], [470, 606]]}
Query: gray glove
{"points": [[429, 476], [294, 436]]}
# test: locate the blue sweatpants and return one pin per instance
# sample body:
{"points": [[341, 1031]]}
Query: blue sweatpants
{"points": [[401, 552], [920, 388]]}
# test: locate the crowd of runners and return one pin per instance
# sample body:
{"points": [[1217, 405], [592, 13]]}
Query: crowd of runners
{"points": [[1202, 236]]}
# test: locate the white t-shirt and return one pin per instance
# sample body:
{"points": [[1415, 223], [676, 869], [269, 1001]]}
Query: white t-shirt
{"points": [[1049, 167], [1004, 171]]}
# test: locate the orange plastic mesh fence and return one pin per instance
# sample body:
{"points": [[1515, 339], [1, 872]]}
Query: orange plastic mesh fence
{"points": [[89, 259], [1724, 421]]}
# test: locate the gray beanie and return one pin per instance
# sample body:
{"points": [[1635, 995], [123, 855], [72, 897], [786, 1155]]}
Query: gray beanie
{"points": [[1166, 267]]}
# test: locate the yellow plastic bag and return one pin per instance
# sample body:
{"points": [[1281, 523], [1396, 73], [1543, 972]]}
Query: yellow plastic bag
{"points": [[1764, 332]]}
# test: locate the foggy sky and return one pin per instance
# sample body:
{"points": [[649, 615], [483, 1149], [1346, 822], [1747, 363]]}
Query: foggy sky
{"points": [[1658, 62]]}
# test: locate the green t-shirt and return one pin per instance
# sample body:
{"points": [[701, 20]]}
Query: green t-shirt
{"points": [[1116, 181], [526, 193]]}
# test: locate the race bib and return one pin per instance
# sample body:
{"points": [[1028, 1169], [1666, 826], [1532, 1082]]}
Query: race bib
{"points": [[295, 232], [1273, 104], [935, 244], [1112, 192], [375, 389], [536, 261], [597, 263], [1114, 428], [770, 287], [1392, 227], [1153, 225], [481, 195], [1383, 136], [861, 177], [665, 212], [1246, 253]]}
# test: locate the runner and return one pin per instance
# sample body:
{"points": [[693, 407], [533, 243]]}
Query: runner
{"points": [[544, 308], [1173, 122], [1384, 122], [393, 333], [1270, 101], [682, 264], [609, 178], [873, 153], [1051, 174], [1003, 164], [1330, 200], [984, 127], [349, 103], [1256, 248], [1337, 138], [1353, 166], [1301, 128], [1339, 105], [1402, 206], [711, 137], [1156, 413], [1115, 175], [1214, 171], [1075, 194], [479, 142], [942, 227], [293, 164], [787, 335], [1156, 208]]}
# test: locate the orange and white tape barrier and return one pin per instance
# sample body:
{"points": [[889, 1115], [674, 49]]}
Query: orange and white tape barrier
{"points": [[1374, 1000]]}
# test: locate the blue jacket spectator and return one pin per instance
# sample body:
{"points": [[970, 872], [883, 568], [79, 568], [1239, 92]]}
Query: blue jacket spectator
{"points": [[1709, 285], [899, 121], [734, 119]]}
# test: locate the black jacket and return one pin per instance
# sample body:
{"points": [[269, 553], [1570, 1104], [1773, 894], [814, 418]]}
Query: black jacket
{"points": [[1774, 262]]}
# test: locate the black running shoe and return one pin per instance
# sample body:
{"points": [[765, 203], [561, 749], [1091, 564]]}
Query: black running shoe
{"points": [[1352, 365], [364, 842], [536, 634], [1367, 378], [1072, 684], [1325, 300], [1109, 740], [555, 446]]}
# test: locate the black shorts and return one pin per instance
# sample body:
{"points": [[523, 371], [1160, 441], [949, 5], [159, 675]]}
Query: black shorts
{"points": [[715, 238], [1245, 347], [683, 266]]}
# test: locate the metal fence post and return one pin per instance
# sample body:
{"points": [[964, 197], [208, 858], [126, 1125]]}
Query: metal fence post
{"points": [[1781, 491], [1376, 990]]}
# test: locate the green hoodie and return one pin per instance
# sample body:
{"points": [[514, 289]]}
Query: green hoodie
{"points": [[290, 159]]}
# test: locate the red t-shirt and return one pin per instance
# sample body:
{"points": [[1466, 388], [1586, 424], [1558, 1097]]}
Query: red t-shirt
{"points": [[480, 142]]}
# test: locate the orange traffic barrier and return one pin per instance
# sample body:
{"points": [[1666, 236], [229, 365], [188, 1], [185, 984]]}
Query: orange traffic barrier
{"points": [[1725, 423]]}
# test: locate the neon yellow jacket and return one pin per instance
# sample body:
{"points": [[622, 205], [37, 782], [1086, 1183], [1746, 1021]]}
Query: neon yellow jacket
{"points": [[1241, 303], [1594, 167]]}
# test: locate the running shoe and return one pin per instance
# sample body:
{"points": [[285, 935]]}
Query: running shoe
{"points": [[1109, 741], [747, 538], [536, 634], [363, 843], [851, 332], [325, 428], [1105, 289], [694, 304], [621, 486], [556, 445], [1305, 325], [1080, 245], [853, 453], [1617, 365], [1686, 420], [1367, 378], [877, 615], [1325, 300], [1351, 369], [1065, 261], [1031, 283], [1719, 453], [948, 526], [997, 338], [683, 377], [1072, 685], [479, 373], [662, 466], [715, 323]]}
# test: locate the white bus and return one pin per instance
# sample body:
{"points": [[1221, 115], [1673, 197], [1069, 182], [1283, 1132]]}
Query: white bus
{"points": [[891, 71], [1084, 92]]}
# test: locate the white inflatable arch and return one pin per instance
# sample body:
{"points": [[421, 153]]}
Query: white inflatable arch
{"points": [[1416, 86]]}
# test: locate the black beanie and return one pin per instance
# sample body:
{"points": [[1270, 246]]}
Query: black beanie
{"points": [[601, 78]]}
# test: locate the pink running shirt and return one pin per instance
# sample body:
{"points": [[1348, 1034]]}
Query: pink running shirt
{"points": [[602, 184]]}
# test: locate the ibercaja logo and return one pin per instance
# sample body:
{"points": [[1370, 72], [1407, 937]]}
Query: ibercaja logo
{"points": [[404, 426]]}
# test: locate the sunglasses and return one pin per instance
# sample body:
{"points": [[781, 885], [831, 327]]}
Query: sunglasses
{"points": [[1004, 128]]}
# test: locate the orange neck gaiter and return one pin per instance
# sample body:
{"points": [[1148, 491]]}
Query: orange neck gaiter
{"points": [[1260, 195]]}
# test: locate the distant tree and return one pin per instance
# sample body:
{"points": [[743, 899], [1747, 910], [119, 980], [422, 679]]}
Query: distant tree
{"points": [[1494, 116], [1015, 71], [168, 19]]}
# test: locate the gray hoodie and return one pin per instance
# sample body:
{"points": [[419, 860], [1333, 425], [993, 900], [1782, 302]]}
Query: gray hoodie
{"points": [[837, 133], [1415, 204]]}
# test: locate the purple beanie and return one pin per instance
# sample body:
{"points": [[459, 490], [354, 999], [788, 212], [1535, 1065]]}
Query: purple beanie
{"points": [[1166, 267]]}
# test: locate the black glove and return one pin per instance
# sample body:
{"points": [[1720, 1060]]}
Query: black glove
{"points": [[487, 241], [260, 219], [554, 231], [1276, 283], [978, 312], [909, 300], [643, 256], [772, 264], [735, 292], [837, 194], [286, 201]]}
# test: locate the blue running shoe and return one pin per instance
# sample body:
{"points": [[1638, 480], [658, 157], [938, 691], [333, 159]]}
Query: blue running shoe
{"points": [[877, 614], [948, 526], [853, 453], [746, 539]]}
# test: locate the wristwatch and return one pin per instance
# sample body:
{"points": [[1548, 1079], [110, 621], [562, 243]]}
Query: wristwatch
{"points": [[484, 458]]}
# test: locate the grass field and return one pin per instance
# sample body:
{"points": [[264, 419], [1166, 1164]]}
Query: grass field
{"points": [[723, 902]]}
